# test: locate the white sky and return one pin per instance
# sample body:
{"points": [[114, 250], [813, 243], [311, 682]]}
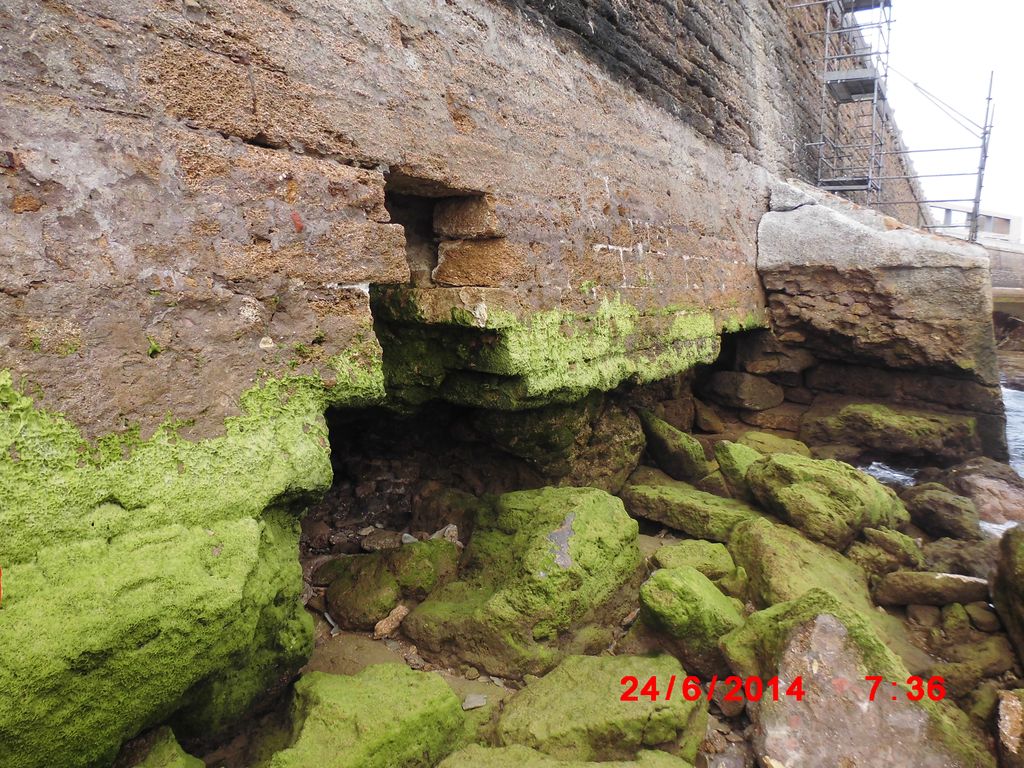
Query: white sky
{"points": [[949, 48]]}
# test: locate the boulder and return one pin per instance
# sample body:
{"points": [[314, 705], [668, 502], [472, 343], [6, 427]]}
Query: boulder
{"points": [[690, 609], [710, 558], [735, 389], [903, 549], [734, 459], [364, 588], [928, 588], [891, 430], [767, 443], [387, 716], [539, 564], [1010, 729], [939, 512], [831, 649], [1008, 586], [983, 618], [165, 752], [706, 419], [475, 756], [684, 508], [828, 500], [760, 352], [575, 712], [786, 417], [995, 488], [677, 453], [969, 558]]}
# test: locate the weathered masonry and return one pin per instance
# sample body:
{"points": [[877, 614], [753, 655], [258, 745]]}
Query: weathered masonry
{"points": [[220, 219]]}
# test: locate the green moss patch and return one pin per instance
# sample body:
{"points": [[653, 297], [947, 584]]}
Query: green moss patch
{"points": [[524, 757]]}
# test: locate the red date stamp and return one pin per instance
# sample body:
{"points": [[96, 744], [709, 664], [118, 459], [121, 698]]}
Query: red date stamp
{"points": [[689, 688], [736, 689]]}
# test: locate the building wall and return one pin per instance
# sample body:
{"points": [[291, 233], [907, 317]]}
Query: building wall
{"points": [[196, 196]]}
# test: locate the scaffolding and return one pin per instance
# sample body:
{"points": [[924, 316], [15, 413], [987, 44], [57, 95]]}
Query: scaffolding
{"points": [[854, 131]]}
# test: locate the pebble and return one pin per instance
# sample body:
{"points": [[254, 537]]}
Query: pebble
{"points": [[449, 533], [474, 701], [390, 623], [408, 538], [366, 531], [472, 673]]}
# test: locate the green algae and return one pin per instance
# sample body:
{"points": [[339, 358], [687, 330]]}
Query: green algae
{"points": [[711, 559], [677, 453], [495, 359], [476, 756], [387, 716], [165, 752], [576, 712], [538, 563]]}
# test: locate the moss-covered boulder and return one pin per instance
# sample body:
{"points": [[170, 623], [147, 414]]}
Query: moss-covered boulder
{"points": [[576, 712], [149, 579], [685, 508], [387, 716], [884, 551], [828, 500], [710, 558], [734, 459], [685, 605], [767, 443], [831, 648], [889, 430], [165, 752], [364, 588], [539, 564], [929, 588], [939, 512], [677, 453], [476, 756], [783, 565], [1008, 586]]}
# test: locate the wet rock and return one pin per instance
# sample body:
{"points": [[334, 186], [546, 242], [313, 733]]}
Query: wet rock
{"points": [[924, 615], [785, 417], [767, 443], [574, 712], [891, 430], [706, 419], [760, 352], [928, 588], [379, 540], [684, 604], [829, 501], [390, 623], [1010, 729], [734, 459], [684, 508], [735, 389], [995, 488], [970, 558], [386, 716], [678, 412], [165, 752], [983, 617], [940, 512], [476, 756], [680, 455], [538, 564], [711, 559], [1008, 586], [829, 647]]}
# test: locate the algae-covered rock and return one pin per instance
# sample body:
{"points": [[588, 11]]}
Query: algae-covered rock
{"points": [[538, 564], [677, 453], [693, 612], [475, 756], [927, 588], [828, 500], [149, 579], [939, 512], [364, 588], [576, 712], [904, 549], [387, 716], [165, 752], [710, 558], [683, 507], [893, 430], [783, 565], [767, 443], [734, 459], [1008, 586], [822, 641]]}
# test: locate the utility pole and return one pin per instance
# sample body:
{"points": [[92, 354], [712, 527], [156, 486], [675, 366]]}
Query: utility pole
{"points": [[986, 134]]}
